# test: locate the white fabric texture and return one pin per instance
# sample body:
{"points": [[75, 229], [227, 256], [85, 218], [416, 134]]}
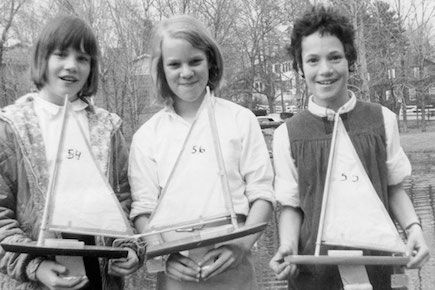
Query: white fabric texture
{"points": [[195, 190]]}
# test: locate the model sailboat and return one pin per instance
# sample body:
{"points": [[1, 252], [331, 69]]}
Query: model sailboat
{"points": [[352, 214], [79, 199], [216, 219]]}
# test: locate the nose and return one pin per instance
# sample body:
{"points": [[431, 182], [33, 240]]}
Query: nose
{"points": [[325, 67], [70, 63], [186, 71]]}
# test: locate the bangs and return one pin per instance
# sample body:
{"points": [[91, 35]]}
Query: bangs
{"points": [[193, 38], [71, 34]]}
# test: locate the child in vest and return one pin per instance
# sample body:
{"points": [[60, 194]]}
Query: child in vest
{"points": [[185, 60], [323, 52], [64, 63]]}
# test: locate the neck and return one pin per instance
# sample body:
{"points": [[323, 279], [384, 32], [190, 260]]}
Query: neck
{"points": [[187, 110], [336, 103], [57, 100]]}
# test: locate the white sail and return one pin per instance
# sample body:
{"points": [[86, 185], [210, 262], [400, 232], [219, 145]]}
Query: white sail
{"points": [[82, 201], [355, 216]]}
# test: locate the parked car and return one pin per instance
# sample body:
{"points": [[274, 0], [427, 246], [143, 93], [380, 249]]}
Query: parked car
{"points": [[265, 119], [268, 122]]}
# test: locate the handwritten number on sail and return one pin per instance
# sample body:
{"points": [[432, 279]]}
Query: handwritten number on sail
{"points": [[82, 200], [355, 216]]}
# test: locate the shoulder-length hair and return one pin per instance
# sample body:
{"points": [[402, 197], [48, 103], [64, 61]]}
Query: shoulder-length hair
{"points": [[61, 33], [187, 28]]}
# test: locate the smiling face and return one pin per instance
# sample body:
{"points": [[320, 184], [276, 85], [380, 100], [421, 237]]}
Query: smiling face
{"points": [[186, 71], [326, 69], [67, 72]]}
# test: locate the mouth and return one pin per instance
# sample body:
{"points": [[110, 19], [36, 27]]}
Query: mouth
{"points": [[188, 84], [68, 78], [327, 82]]}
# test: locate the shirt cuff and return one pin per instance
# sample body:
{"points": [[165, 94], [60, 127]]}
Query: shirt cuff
{"points": [[265, 195], [32, 267], [139, 208], [398, 168]]}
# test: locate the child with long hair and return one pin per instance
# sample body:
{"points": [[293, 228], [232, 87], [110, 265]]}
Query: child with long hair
{"points": [[187, 67], [64, 63]]}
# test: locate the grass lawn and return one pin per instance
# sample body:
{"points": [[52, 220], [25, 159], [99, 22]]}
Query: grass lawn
{"points": [[416, 141]]}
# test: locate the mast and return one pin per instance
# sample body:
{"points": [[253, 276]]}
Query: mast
{"points": [[327, 183], [221, 163], [53, 176]]}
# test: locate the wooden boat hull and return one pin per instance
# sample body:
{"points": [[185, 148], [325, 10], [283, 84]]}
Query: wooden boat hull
{"points": [[200, 240], [346, 260], [86, 251]]}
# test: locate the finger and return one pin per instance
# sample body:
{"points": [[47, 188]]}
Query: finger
{"points": [[58, 268], [209, 274], [184, 264], [126, 264], [210, 256], [294, 270], [69, 282], [182, 274], [219, 260], [181, 277], [284, 273], [82, 284], [121, 272], [178, 268], [419, 259], [278, 267]]}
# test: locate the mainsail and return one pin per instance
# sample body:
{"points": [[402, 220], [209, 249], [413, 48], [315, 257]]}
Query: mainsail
{"points": [[354, 214], [80, 198]]}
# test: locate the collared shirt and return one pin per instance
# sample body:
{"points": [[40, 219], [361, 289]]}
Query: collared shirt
{"points": [[50, 121], [286, 176], [195, 188]]}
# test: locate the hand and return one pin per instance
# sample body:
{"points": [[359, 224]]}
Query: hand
{"points": [[223, 257], [124, 266], [417, 247], [48, 273], [182, 268], [282, 269]]}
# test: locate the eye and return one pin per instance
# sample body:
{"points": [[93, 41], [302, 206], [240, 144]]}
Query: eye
{"points": [[84, 58], [312, 60], [173, 64], [60, 53], [196, 61], [336, 57]]}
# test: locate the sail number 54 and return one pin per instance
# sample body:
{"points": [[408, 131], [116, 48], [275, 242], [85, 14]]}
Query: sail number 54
{"points": [[73, 154]]}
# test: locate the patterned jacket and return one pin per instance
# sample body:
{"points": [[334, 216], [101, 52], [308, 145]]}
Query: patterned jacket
{"points": [[24, 180]]}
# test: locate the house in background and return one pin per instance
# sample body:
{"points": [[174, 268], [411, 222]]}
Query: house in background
{"points": [[143, 88], [414, 81]]}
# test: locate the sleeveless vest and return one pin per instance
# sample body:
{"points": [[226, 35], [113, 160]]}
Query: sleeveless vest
{"points": [[310, 142]]}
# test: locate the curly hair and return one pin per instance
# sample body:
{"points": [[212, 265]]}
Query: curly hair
{"points": [[324, 20]]}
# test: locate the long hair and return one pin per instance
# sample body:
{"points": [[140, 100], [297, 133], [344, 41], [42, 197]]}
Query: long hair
{"points": [[187, 28], [61, 33]]}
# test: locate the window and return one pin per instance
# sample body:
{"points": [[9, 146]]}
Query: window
{"points": [[416, 72], [412, 94], [387, 95], [391, 73], [277, 68]]}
